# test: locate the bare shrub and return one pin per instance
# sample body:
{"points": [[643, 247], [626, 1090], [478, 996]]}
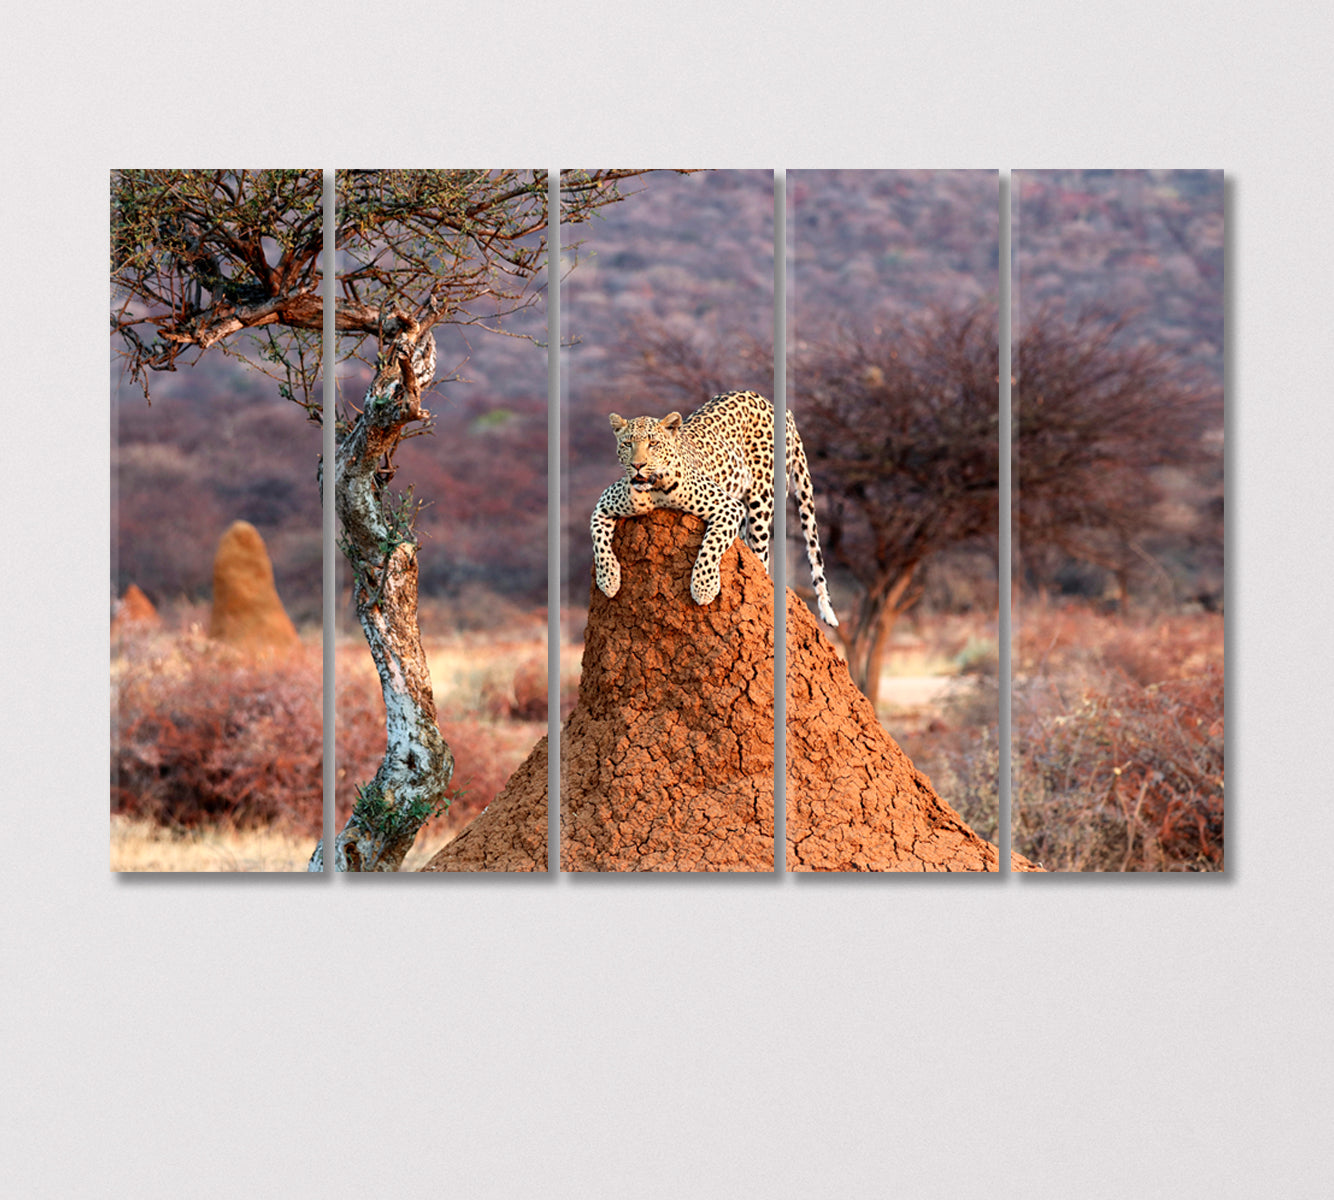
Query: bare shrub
{"points": [[203, 734], [964, 767], [1119, 727]]}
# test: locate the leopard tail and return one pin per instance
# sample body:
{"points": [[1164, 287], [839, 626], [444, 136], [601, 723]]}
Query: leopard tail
{"points": [[799, 480]]}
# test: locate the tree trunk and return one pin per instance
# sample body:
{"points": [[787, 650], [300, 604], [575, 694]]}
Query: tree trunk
{"points": [[864, 643], [892, 608], [875, 652], [411, 784]]}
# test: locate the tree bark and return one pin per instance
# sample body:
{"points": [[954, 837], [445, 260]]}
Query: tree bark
{"points": [[864, 643], [301, 308], [412, 781]]}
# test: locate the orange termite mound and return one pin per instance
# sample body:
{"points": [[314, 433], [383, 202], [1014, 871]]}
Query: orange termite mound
{"points": [[247, 611], [134, 611], [667, 759]]}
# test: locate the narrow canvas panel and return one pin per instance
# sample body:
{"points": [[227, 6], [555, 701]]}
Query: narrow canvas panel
{"points": [[1117, 347], [667, 650], [892, 638], [442, 538], [216, 732]]}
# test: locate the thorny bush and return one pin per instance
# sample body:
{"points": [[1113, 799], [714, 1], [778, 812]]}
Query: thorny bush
{"points": [[1119, 742], [203, 734]]}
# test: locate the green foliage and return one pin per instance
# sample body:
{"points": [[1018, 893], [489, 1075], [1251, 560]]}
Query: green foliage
{"points": [[377, 814], [493, 418], [198, 257], [452, 234], [978, 657], [170, 222]]}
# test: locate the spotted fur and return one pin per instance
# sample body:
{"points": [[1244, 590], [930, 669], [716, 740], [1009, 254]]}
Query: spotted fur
{"points": [[719, 465]]}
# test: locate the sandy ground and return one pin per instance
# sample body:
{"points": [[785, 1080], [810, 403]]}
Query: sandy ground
{"points": [[913, 691], [143, 846]]}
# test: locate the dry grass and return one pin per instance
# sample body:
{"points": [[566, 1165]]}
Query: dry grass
{"points": [[141, 845], [944, 645], [1118, 740], [204, 735], [216, 757], [1118, 732], [486, 694], [138, 844], [938, 699]]}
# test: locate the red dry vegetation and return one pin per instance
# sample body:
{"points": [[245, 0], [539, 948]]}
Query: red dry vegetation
{"points": [[202, 733], [205, 735], [1119, 748]]}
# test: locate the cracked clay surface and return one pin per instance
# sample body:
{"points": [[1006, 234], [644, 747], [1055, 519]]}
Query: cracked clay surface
{"points": [[511, 833], [855, 802], [667, 758]]}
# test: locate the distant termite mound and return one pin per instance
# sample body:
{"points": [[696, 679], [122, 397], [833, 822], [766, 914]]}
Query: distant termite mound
{"points": [[246, 609], [134, 611], [667, 758]]}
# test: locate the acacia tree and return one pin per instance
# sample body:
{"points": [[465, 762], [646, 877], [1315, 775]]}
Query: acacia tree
{"points": [[233, 261], [1097, 413], [900, 431]]}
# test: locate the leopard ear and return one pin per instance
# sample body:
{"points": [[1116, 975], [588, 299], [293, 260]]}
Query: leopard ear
{"points": [[618, 422], [671, 421]]}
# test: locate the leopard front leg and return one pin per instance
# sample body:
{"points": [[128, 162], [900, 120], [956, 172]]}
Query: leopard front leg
{"points": [[619, 500], [724, 514]]}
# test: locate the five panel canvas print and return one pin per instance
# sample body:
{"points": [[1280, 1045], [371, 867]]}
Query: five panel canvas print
{"points": [[664, 679]]}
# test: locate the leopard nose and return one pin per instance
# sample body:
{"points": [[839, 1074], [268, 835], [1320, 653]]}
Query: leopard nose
{"points": [[639, 464]]}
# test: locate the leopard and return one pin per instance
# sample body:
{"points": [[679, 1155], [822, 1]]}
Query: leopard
{"points": [[718, 464]]}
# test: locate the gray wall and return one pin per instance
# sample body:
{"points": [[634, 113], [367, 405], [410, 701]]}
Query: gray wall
{"points": [[672, 1037]]}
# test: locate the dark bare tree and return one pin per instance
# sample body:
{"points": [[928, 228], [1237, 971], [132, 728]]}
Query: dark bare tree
{"points": [[901, 429], [1098, 413]]}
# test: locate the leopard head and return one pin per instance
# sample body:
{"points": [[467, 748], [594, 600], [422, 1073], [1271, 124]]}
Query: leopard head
{"points": [[648, 450]]}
